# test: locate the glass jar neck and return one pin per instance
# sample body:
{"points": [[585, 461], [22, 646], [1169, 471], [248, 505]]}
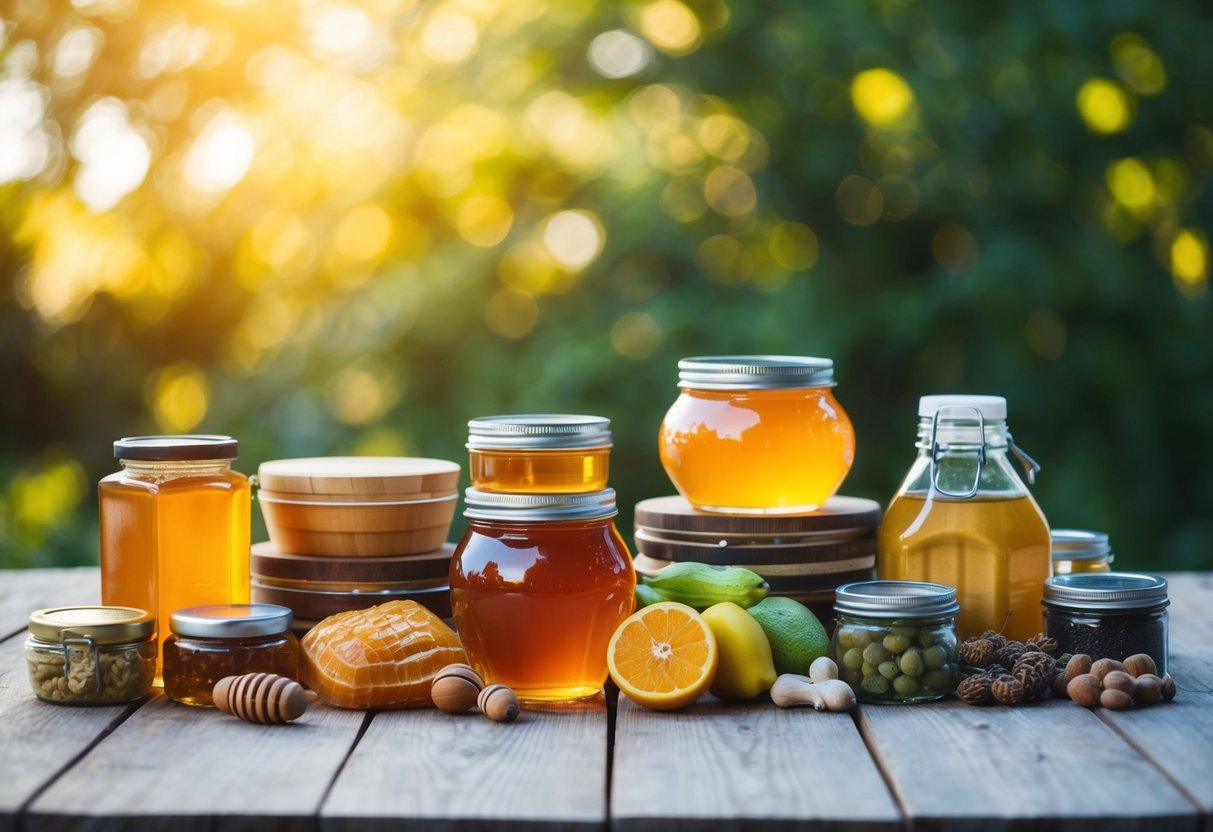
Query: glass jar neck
{"points": [[546, 525], [954, 435], [164, 469]]}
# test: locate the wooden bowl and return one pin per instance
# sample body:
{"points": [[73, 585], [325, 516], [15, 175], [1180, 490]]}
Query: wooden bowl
{"points": [[345, 529]]}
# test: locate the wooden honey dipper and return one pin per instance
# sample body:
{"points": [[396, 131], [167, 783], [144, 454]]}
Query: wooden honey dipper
{"points": [[264, 698]]}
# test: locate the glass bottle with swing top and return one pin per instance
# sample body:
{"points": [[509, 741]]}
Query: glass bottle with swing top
{"points": [[963, 517]]}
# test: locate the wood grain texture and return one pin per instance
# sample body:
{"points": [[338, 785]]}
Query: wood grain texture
{"points": [[24, 590], [172, 766], [38, 740], [434, 771], [744, 766], [1178, 736], [1049, 765]]}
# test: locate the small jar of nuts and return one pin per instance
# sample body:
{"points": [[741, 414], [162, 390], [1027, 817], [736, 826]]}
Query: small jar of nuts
{"points": [[91, 655], [895, 641]]}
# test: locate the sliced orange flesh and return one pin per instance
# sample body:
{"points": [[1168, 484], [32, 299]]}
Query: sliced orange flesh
{"points": [[663, 656]]}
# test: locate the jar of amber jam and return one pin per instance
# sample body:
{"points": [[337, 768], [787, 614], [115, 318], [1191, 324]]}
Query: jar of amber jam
{"points": [[539, 453], [539, 584], [1076, 551], [209, 643], [757, 434]]}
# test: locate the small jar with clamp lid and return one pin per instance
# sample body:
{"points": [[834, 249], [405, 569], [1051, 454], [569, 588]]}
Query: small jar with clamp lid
{"points": [[895, 641], [209, 643], [539, 453], [756, 434], [539, 584], [1076, 551], [1111, 615], [91, 655]]}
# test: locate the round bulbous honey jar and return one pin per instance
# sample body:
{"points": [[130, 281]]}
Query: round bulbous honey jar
{"points": [[539, 583], [757, 434]]}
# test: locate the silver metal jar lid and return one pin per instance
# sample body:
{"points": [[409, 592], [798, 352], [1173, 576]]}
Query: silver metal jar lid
{"points": [[524, 508], [896, 599], [181, 448], [754, 372], [1079, 544], [1105, 591], [231, 621], [539, 431]]}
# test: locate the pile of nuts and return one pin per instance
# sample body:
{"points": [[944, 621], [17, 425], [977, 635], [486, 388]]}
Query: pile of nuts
{"points": [[1112, 684]]}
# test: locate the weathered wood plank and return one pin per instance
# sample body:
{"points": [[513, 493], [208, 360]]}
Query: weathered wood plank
{"points": [[744, 766], [1049, 765], [38, 740], [1178, 737], [24, 590], [434, 771], [169, 765]]}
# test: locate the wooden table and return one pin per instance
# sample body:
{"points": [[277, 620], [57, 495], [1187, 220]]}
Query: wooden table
{"points": [[1050, 765]]}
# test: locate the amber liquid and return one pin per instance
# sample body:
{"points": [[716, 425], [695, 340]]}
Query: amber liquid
{"points": [[575, 471], [535, 605], [169, 544], [995, 552], [757, 452]]}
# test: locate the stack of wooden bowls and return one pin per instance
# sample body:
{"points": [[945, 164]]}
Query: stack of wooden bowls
{"points": [[802, 556], [350, 532]]}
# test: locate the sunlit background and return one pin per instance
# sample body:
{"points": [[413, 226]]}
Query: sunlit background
{"points": [[347, 227]]}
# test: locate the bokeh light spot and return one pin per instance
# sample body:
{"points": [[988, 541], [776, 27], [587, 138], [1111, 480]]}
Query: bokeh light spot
{"points": [[719, 258], [220, 156], [724, 137], [793, 246], [363, 234], [619, 54], [341, 30], [1138, 65], [450, 38], [114, 159], [484, 220], [859, 201], [682, 199], [511, 313], [881, 96], [671, 26], [1190, 261], [361, 394], [41, 499], [179, 397], [635, 335], [730, 192], [955, 249], [1131, 183], [1104, 107], [574, 238]]}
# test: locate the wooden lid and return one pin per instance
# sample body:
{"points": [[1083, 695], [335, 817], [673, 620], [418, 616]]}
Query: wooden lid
{"points": [[839, 513], [312, 605], [268, 562], [358, 475]]}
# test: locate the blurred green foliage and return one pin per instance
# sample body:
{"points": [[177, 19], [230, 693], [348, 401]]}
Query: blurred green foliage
{"points": [[347, 227]]}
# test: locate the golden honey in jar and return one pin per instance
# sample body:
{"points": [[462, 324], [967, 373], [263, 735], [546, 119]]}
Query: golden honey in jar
{"points": [[174, 525], [210, 643], [757, 434], [1076, 551], [539, 453], [539, 584], [963, 518]]}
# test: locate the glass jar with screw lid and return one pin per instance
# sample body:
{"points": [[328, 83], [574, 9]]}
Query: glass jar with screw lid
{"points": [[895, 641], [91, 655], [1112, 615]]}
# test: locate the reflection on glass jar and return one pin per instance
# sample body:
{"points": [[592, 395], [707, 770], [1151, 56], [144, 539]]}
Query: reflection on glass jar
{"points": [[757, 434], [538, 586]]}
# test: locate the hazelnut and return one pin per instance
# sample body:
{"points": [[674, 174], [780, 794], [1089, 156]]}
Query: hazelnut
{"points": [[1084, 689], [1079, 664], [1103, 667], [1116, 700], [1168, 688], [1059, 685], [455, 688], [1119, 680], [1140, 663], [1148, 690]]}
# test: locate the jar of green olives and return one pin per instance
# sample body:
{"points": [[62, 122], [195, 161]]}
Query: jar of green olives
{"points": [[895, 641]]}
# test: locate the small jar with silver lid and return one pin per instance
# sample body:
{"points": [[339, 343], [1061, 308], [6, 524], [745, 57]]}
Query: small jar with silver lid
{"points": [[539, 453], [1112, 615], [539, 584], [895, 641], [209, 643], [91, 655], [756, 434], [1076, 551]]}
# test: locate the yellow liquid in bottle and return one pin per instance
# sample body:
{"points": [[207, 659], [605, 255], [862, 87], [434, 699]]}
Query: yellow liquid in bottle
{"points": [[995, 552], [172, 544]]}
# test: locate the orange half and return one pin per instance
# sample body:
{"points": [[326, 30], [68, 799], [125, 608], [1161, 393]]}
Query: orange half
{"points": [[663, 656]]}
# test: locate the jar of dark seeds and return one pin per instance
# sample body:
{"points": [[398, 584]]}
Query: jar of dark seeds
{"points": [[1112, 615]]}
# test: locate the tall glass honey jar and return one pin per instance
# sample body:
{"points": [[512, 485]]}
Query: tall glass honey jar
{"points": [[757, 434], [539, 584], [174, 526], [539, 453], [964, 518]]}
